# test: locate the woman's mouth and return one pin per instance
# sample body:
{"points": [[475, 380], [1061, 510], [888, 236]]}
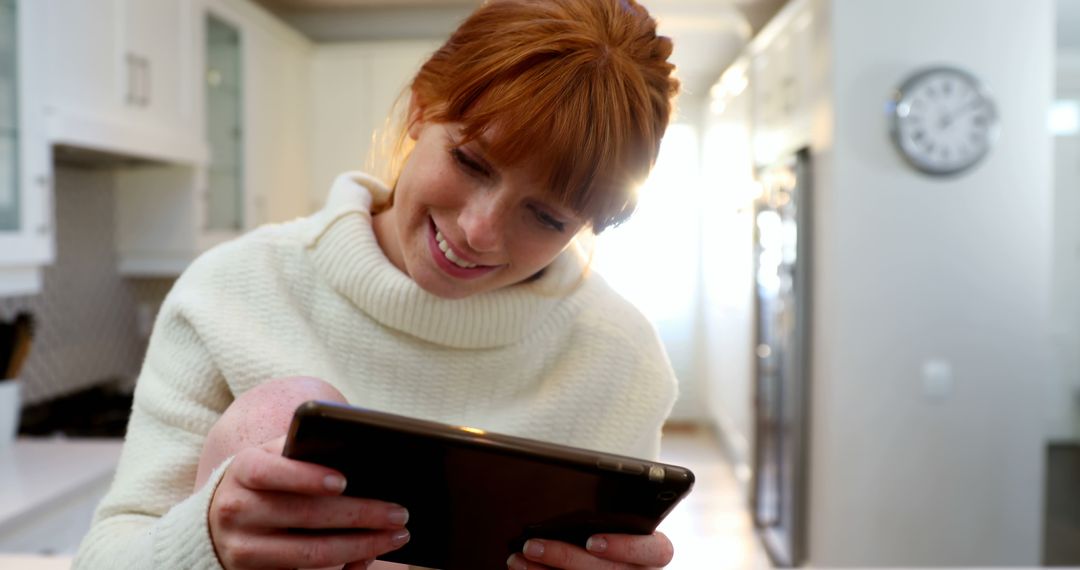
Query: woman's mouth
{"points": [[449, 260], [449, 253]]}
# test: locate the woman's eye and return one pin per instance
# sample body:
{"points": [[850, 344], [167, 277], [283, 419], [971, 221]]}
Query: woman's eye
{"points": [[467, 163], [548, 220]]}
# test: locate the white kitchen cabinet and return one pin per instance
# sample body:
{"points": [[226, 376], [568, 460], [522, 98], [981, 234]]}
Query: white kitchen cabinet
{"points": [[354, 88], [781, 73], [158, 43], [121, 78], [277, 141], [26, 233], [252, 103]]}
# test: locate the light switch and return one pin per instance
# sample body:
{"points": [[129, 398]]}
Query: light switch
{"points": [[937, 379]]}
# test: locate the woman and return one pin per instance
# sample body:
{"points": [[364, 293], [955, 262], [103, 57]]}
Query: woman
{"points": [[458, 294]]}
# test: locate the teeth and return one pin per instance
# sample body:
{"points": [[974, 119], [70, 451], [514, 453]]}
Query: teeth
{"points": [[449, 253]]}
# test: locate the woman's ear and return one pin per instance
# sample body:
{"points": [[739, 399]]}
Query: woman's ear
{"points": [[416, 117]]}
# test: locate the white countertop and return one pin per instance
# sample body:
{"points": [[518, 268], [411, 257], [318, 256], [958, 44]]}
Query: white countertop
{"points": [[37, 471], [19, 562]]}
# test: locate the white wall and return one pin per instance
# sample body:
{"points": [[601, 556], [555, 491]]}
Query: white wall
{"points": [[353, 88], [910, 269], [1063, 397], [727, 267]]}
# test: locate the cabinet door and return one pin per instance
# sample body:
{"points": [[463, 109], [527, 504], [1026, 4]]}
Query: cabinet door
{"points": [[224, 125], [276, 143], [156, 50], [84, 56], [25, 163]]}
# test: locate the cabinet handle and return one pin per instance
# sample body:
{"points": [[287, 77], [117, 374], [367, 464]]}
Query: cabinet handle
{"points": [[45, 183], [148, 81], [132, 79]]}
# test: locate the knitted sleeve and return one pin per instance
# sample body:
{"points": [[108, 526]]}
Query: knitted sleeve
{"points": [[152, 517], [654, 389]]}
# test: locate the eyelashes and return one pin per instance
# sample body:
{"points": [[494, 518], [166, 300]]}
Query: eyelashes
{"points": [[547, 219], [471, 166], [478, 170]]}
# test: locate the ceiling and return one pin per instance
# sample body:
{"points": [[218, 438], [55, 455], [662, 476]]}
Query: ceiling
{"points": [[708, 34]]}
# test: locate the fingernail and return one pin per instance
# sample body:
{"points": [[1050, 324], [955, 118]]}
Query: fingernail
{"points": [[515, 563], [335, 483], [400, 537], [398, 517], [596, 544], [534, 549]]}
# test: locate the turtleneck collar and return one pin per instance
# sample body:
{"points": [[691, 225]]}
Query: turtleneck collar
{"points": [[341, 242]]}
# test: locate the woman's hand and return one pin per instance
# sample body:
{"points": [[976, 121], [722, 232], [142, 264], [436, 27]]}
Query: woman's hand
{"points": [[263, 494], [603, 552]]}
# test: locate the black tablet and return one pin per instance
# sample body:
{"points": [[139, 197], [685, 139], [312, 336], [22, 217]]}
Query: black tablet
{"points": [[475, 497]]}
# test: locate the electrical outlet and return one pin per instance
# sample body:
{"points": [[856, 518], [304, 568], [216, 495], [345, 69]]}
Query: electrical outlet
{"points": [[937, 380]]}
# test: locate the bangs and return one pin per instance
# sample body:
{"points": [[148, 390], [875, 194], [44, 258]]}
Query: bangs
{"points": [[587, 107], [592, 155]]}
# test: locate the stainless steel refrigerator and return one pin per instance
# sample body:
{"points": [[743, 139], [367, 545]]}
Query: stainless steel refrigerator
{"points": [[782, 225]]}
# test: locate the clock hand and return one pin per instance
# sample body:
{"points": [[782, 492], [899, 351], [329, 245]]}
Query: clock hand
{"points": [[952, 116]]}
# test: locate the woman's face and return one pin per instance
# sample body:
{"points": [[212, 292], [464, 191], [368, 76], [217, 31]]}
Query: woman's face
{"points": [[461, 224]]}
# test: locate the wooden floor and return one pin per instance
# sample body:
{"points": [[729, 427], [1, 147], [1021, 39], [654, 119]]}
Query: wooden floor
{"points": [[711, 528]]}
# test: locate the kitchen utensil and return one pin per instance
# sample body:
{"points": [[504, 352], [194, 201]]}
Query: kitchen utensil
{"points": [[23, 336]]}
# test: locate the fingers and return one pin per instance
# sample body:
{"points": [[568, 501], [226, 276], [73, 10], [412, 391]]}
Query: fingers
{"points": [[285, 510], [653, 550], [262, 470], [605, 552], [545, 554], [298, 551], [262, 495], [519, 562]]}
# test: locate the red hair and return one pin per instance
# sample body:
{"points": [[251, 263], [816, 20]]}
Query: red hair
{"points": [[581, 88]]}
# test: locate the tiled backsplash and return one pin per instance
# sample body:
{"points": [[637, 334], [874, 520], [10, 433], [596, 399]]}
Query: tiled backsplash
{"points": [[86, 315]]}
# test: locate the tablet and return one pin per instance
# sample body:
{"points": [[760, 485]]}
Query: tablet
{"points": [[475, 497]]}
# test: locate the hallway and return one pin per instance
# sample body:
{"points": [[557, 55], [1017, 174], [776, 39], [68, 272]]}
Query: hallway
{"points": [[711, 528]]}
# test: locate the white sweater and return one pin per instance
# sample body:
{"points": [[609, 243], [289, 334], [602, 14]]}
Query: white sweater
{"points": [[562, 359]]}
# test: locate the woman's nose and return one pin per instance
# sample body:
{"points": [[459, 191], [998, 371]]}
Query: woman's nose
{"points": [[482, 220]]}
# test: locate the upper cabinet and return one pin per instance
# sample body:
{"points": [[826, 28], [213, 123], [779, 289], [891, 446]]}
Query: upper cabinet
{"points": [[122, 78], [157, 58], [224, 109], [783, 79], [26, 233], [251, 84]]}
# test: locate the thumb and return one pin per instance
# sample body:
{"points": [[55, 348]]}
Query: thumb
{"points": [[275, 446]]}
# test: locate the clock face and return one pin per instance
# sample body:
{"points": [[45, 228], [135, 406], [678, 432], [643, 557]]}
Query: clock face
{"points": [[944, 121]]}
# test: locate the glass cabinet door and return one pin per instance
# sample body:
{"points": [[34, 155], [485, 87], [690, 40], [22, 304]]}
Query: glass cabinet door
{"points": [[10, 203], [224, 115]]}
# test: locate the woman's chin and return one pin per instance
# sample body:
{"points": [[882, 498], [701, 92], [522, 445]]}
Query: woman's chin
{"points": [[446, 287]]}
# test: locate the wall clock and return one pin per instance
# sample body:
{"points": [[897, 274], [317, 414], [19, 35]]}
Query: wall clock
{"points": [[944, 120]]}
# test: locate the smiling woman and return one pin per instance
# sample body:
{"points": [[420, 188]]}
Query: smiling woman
{"points": [[454, 293]]}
